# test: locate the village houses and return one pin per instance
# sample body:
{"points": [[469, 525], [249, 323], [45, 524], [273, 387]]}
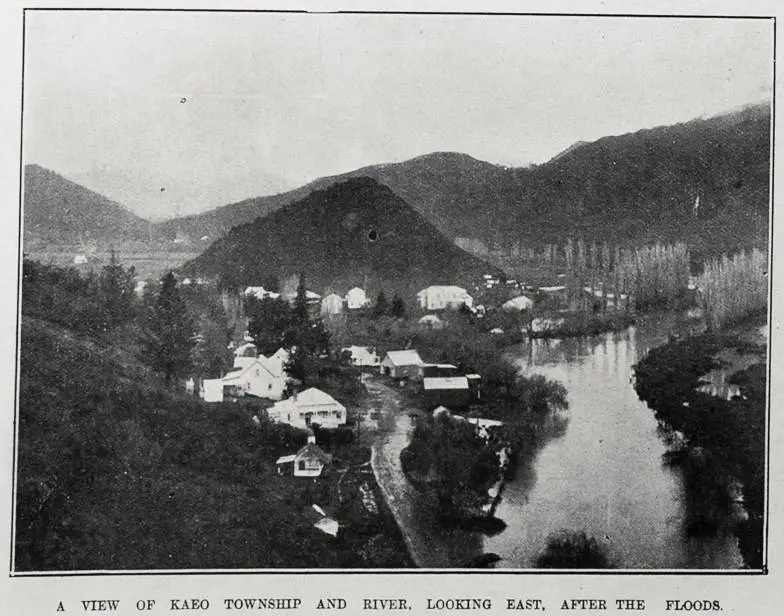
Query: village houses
{"points": [[443, 297]]}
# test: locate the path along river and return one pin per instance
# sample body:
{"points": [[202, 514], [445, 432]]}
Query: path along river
{"points": [[604, 474]]}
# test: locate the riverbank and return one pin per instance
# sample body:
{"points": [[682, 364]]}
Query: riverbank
{"points": [[709, 394]]}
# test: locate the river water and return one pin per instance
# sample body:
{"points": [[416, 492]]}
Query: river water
{"points": [[604, 474]]}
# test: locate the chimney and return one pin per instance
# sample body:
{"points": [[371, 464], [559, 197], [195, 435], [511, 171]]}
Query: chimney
{"points": [[311, 437]]}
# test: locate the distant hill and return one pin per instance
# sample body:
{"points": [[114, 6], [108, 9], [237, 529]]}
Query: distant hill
{"points": [[632, 188], [57, 210], [353, 231]]}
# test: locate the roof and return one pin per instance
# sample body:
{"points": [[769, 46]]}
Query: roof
{"points": [[261, 292], [311, 449], [445, 289], [430, 317], [405, 358], [446, 382], [473, 375], [270, 366], [520, 302], [286, 459], [552, 289], [355, 289], [314, 397]]}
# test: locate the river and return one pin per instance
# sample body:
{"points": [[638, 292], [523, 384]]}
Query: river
{"points": [[603, 474]]}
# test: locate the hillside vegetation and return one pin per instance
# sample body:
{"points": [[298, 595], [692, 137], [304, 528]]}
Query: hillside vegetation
{"points": [[353, 232], [57, 210], [117, 471], [633, 188]]}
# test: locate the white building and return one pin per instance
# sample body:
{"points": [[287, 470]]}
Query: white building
{"points": [[402, 364], [518, 304], [331, 304], [440, 297], [309, 461], [211, 390], [311, 406], [257, 377], [356, 298], [261, 293], [363, 356]]}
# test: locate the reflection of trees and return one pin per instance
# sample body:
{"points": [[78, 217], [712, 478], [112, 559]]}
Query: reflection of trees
{"points": [[572, 550], [718, 444]]}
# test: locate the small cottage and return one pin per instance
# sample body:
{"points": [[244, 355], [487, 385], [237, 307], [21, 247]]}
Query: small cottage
{"points": [[309, 461], [211, 390], [402, 364]]}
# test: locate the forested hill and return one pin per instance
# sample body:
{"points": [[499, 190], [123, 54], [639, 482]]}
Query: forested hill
{"points": [[635, 187], [356, 232], [58, 210]]}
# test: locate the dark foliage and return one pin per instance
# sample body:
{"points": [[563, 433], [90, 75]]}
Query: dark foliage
{"points": [[169, 332], [724, 439], [572, 550], [331, 243]]}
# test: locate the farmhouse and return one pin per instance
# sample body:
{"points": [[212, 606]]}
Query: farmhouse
{"points": [[402, 364], [439, 297], [309, 461], [356, 298], [311, 406]]}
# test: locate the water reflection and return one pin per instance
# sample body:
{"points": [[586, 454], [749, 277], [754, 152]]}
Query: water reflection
{"points": [[606, 473]]}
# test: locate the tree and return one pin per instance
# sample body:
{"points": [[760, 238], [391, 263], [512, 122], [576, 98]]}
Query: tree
{"points": [[398, 309], [572, 550], [382, 306], [269, 320], [301, 314], [169, 332], [116, 293]]}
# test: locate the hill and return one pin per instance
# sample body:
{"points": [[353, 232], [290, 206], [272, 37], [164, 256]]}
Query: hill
{"points": [[353, 231], [637, 187], [61, 211]]}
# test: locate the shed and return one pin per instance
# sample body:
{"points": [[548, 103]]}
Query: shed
{"points": [[402, 364]]}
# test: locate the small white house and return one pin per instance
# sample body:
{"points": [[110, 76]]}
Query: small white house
{"points": [[80, 260], [331, 304], [402, 364], [311, 406], [309, 461], [518, 304], [363, 356], [258, 377], [440, 297], [357, 298]]}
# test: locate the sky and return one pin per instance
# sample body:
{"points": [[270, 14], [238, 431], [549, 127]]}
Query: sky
{"points": [[214, 108]]}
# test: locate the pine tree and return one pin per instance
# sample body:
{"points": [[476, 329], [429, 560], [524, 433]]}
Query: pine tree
{"points": [[398, 308], [116, 293], [169, 332], [382, 306]]}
